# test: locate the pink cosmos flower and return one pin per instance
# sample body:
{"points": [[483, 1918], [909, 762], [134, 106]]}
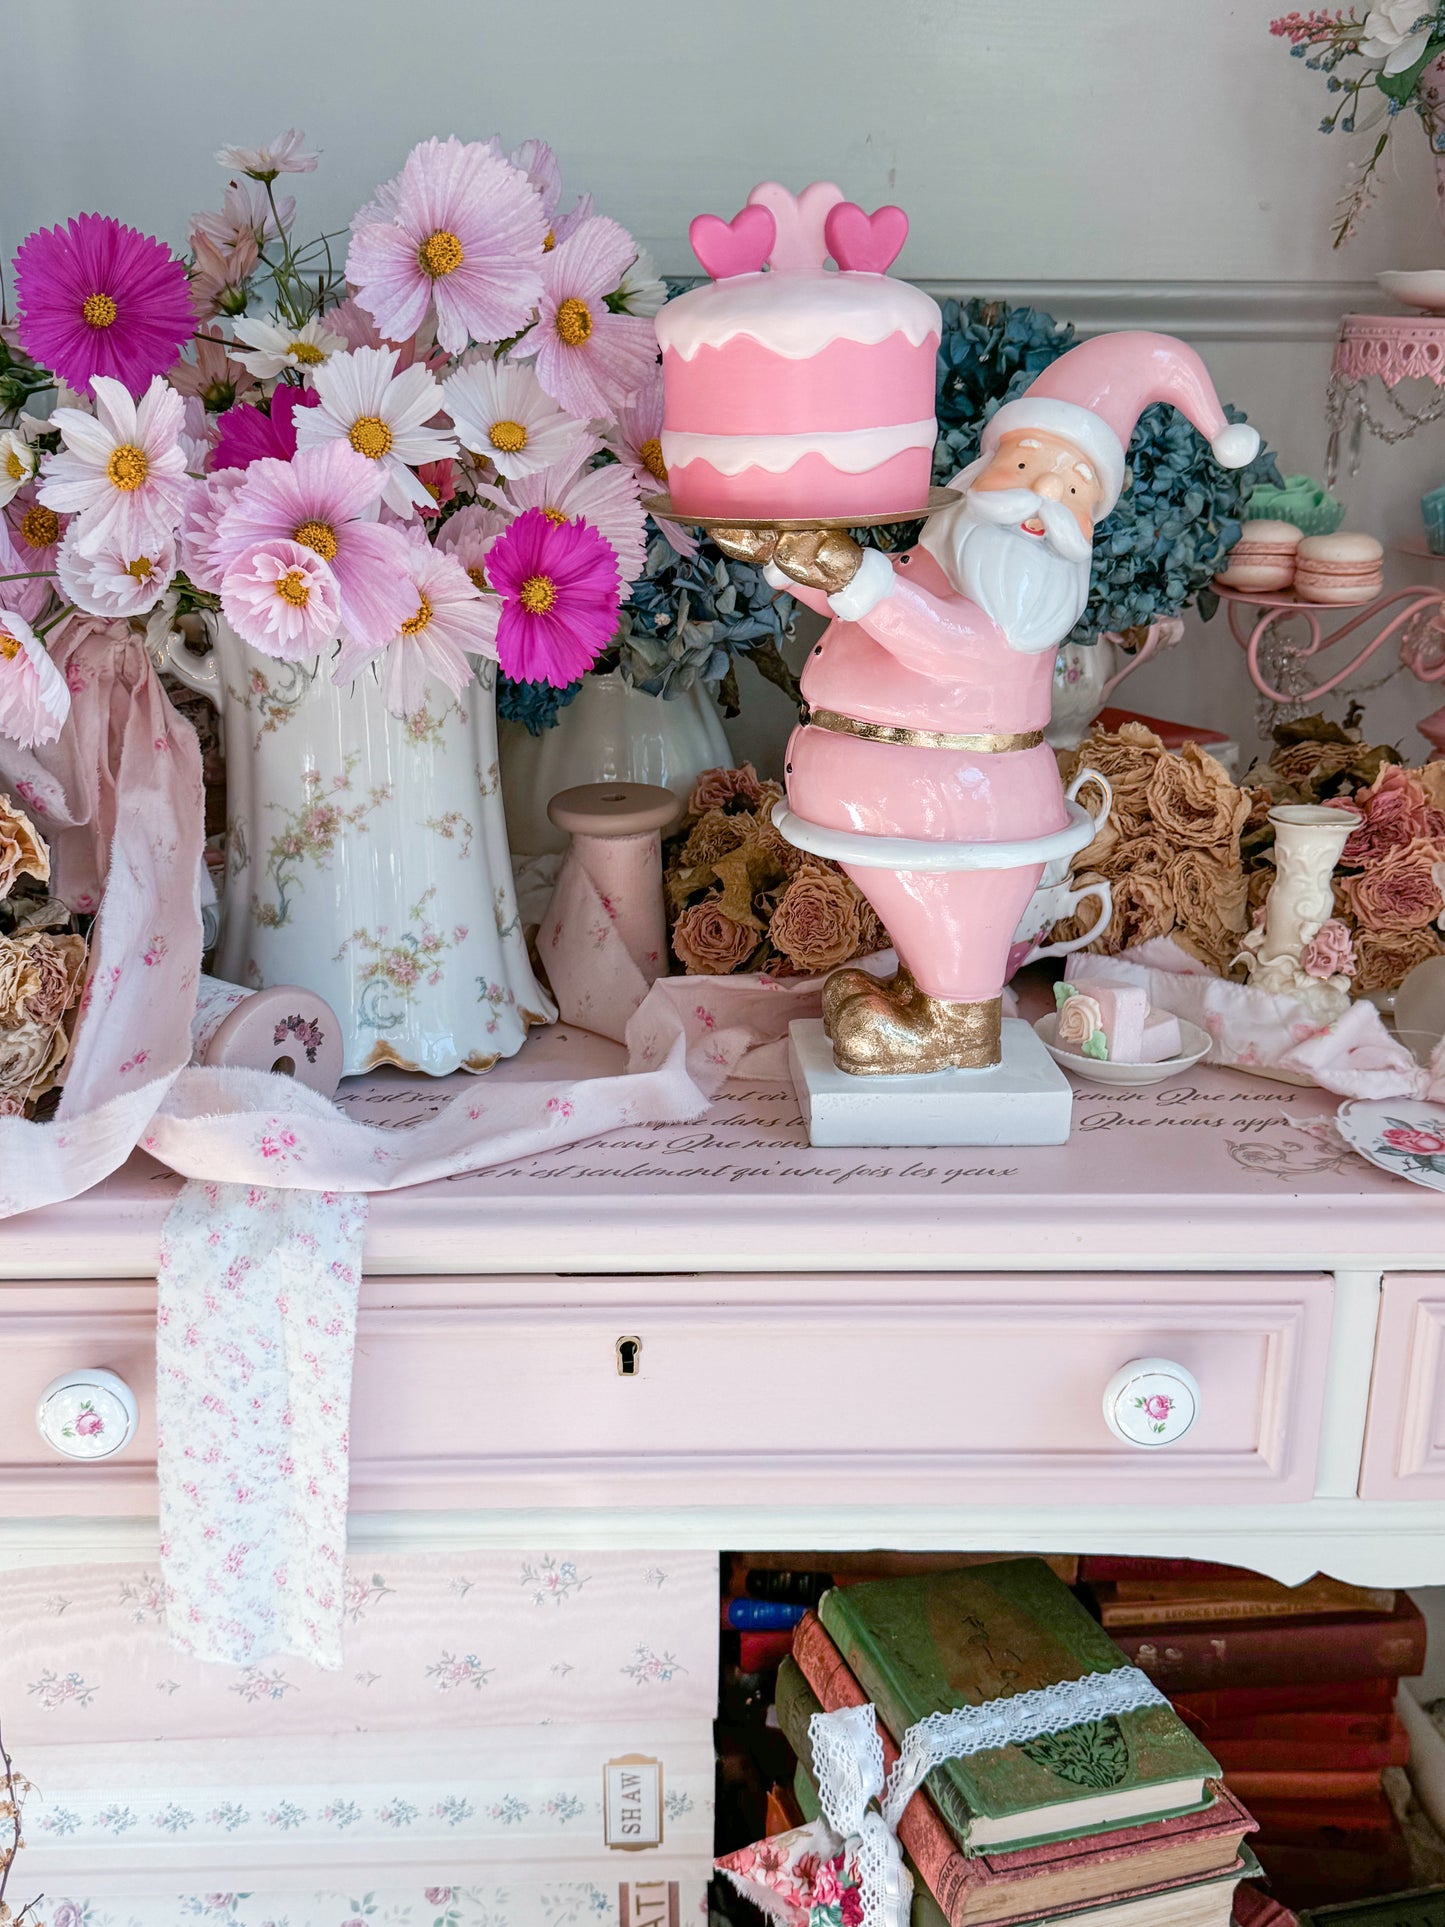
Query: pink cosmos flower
{"points": [[95, 298], [448, 620], [244, 215], [588, 359], [205, 506], [468, 535], [35, 533], [34, 700], [606, 497], [635, 438], [464, 235], [114, 581], [219, 275], [283, 600], [325, 499], [1423, 1144], [122, 470], [29, 596], [287, 154], [560, 598], [246, 435], [539, 163]]}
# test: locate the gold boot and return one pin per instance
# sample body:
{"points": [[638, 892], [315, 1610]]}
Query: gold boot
{"points": [[887, 1034], [849, 982]]}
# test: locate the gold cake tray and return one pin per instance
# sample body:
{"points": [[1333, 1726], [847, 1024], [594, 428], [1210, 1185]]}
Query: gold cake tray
{"points": [[661, 509]]}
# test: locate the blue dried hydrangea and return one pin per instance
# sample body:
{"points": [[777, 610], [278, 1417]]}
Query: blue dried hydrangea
{"points": [[1180, 513], [689, 617], [536, 705]]}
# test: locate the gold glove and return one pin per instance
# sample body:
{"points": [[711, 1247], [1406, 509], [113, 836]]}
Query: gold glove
{"points": [[825, 559], [746, 545]]}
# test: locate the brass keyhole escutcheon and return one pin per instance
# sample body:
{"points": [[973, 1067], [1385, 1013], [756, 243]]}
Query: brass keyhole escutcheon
{"points": [[629, 1357]]}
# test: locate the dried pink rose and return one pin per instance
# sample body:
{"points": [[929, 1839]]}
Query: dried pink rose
{"points": [[1396, 811], [716, 788]]}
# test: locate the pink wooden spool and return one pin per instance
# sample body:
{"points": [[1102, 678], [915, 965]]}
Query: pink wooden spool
{"points": [[284, 1029], [616, 847]]}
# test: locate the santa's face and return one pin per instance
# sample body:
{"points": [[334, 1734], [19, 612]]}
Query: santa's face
{"points": [[1021, 550]]}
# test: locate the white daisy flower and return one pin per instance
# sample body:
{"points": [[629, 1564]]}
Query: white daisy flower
{"points": [[272, 347], [287, 154], [502, 413], [383, 416], [122, 470], [607, 497], [113, 582], [641, 290], [18, 462]]}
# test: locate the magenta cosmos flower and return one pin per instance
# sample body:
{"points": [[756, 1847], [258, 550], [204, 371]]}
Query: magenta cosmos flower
{"points": [[588, 359], [246, 435], [95, 298], [560, 598], [465, 236], [325, 500]]}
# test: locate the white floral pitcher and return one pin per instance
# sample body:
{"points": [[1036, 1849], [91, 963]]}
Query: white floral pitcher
{"points": [[366, 859]]}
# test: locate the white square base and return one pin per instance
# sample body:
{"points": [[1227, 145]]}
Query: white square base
{"points": [[1023, 1099]]}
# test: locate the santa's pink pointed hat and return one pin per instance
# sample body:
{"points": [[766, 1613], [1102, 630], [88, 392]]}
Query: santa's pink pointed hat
{"points": [[1094, 395]]}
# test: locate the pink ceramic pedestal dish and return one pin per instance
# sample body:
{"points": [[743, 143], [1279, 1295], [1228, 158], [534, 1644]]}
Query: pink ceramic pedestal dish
{"points": [[796, 391]]}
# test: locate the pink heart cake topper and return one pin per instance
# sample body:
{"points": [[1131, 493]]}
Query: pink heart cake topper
{"points": [[800, 217], [865, 243], [738, 246]]}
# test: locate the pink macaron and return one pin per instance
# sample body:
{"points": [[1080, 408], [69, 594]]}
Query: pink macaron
{"points": [[1342, 567], [1262, 561]]}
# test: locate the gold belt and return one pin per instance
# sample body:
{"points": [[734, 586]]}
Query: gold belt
{"points": [[990, 742]]}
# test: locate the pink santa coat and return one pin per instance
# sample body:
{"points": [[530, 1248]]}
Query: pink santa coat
{"points": [[927, 658]]}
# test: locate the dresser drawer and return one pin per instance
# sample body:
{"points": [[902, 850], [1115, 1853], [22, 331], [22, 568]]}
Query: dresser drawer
{"points": [[1405, 1436], [931, 1388]]}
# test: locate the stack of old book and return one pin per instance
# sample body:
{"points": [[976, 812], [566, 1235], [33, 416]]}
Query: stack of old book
{"points": [[1292, 1688], [1121, 1821]]}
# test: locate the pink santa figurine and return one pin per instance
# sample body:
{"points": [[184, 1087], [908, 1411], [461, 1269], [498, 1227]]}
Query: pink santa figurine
{"points": [[928, 696]]}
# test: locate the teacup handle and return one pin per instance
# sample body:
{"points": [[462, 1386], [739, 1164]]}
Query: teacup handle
{"points": [[1084, 777], [201, 673], [1099, 887]]}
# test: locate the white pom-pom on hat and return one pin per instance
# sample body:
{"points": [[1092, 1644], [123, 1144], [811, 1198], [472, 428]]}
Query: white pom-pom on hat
{"points": [[1235, 446]]}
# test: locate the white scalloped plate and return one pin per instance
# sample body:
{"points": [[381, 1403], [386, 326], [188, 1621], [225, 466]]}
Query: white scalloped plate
{"points": [[1416, 287], [1124, 1077], [1399, 1135]]}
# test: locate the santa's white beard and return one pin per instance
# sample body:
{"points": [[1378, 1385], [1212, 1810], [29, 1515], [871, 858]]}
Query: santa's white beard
{"points": [[1032, 591]]}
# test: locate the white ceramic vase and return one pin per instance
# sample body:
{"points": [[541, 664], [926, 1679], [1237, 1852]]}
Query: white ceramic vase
{"points": [[367, 859], [608, 733]]}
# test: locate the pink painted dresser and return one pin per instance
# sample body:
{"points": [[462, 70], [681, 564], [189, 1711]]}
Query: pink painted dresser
{"points": [[715, 1335]]}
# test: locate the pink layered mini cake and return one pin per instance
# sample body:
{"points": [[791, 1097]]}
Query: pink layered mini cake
{"points": [[792, 390]]}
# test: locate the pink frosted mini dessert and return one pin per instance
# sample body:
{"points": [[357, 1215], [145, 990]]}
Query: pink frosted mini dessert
{"points": [[1115, 1022], [791, 390]]}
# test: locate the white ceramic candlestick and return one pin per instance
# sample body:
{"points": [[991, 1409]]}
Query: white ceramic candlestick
{"points": [[1309, 839]]}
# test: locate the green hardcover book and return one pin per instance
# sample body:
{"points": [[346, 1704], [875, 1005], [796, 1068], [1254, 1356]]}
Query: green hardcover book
{"points": [[944, 1640], [1423, 1908]]}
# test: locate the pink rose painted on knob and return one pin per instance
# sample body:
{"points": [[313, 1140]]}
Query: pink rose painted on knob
{"points": [[1158, 1407], [89, 1424]]}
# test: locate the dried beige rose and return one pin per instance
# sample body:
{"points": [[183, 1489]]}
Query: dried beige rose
{"points": [[1143, 910], [816, 924], [1127, 757], [713, 835], [1147, 851], [1384, 958], [40, 983], [1192, 802], [1210, 903], [709, 944], [22, 853]]}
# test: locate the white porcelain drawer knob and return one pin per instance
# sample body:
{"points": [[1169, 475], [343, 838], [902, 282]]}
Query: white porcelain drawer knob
{"points": [[87, 1415], [1151, 1402]]}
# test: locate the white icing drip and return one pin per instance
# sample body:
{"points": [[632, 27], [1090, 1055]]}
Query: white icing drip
{"points": [[798, 315], [852, 451]]}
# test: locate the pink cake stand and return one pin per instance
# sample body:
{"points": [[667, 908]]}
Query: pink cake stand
{"points": [[1388, 349], [1416, 615]]}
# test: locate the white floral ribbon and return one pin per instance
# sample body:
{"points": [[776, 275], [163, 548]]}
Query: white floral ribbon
{"points": [[848, 1765]]}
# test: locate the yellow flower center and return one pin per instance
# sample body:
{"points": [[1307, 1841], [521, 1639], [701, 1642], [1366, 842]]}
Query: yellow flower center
{"points": [[306, 353], [574, 322], [549, 241], [479, 577], [370, 437], [294, 588], [651, 453], [141, 568], [414, 625], [319, 537], [9, 647], [127, 467], [15, 468], [39, 527], [538, 594], [440, 254], [509, 437], [98, 310], [554, 516]]}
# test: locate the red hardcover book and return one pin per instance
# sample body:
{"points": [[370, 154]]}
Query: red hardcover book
{"points": [[1259, 1753], [761, 1652], [1320, 1729], [1344, 1822], [1306, 1785], [1232, 1653], [1203, 1711], [1255, 1908], [1313, 1876], [996, 1887], [1107, 1565]]}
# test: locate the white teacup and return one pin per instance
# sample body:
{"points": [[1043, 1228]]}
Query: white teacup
{"points": [[1054, 900]]}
